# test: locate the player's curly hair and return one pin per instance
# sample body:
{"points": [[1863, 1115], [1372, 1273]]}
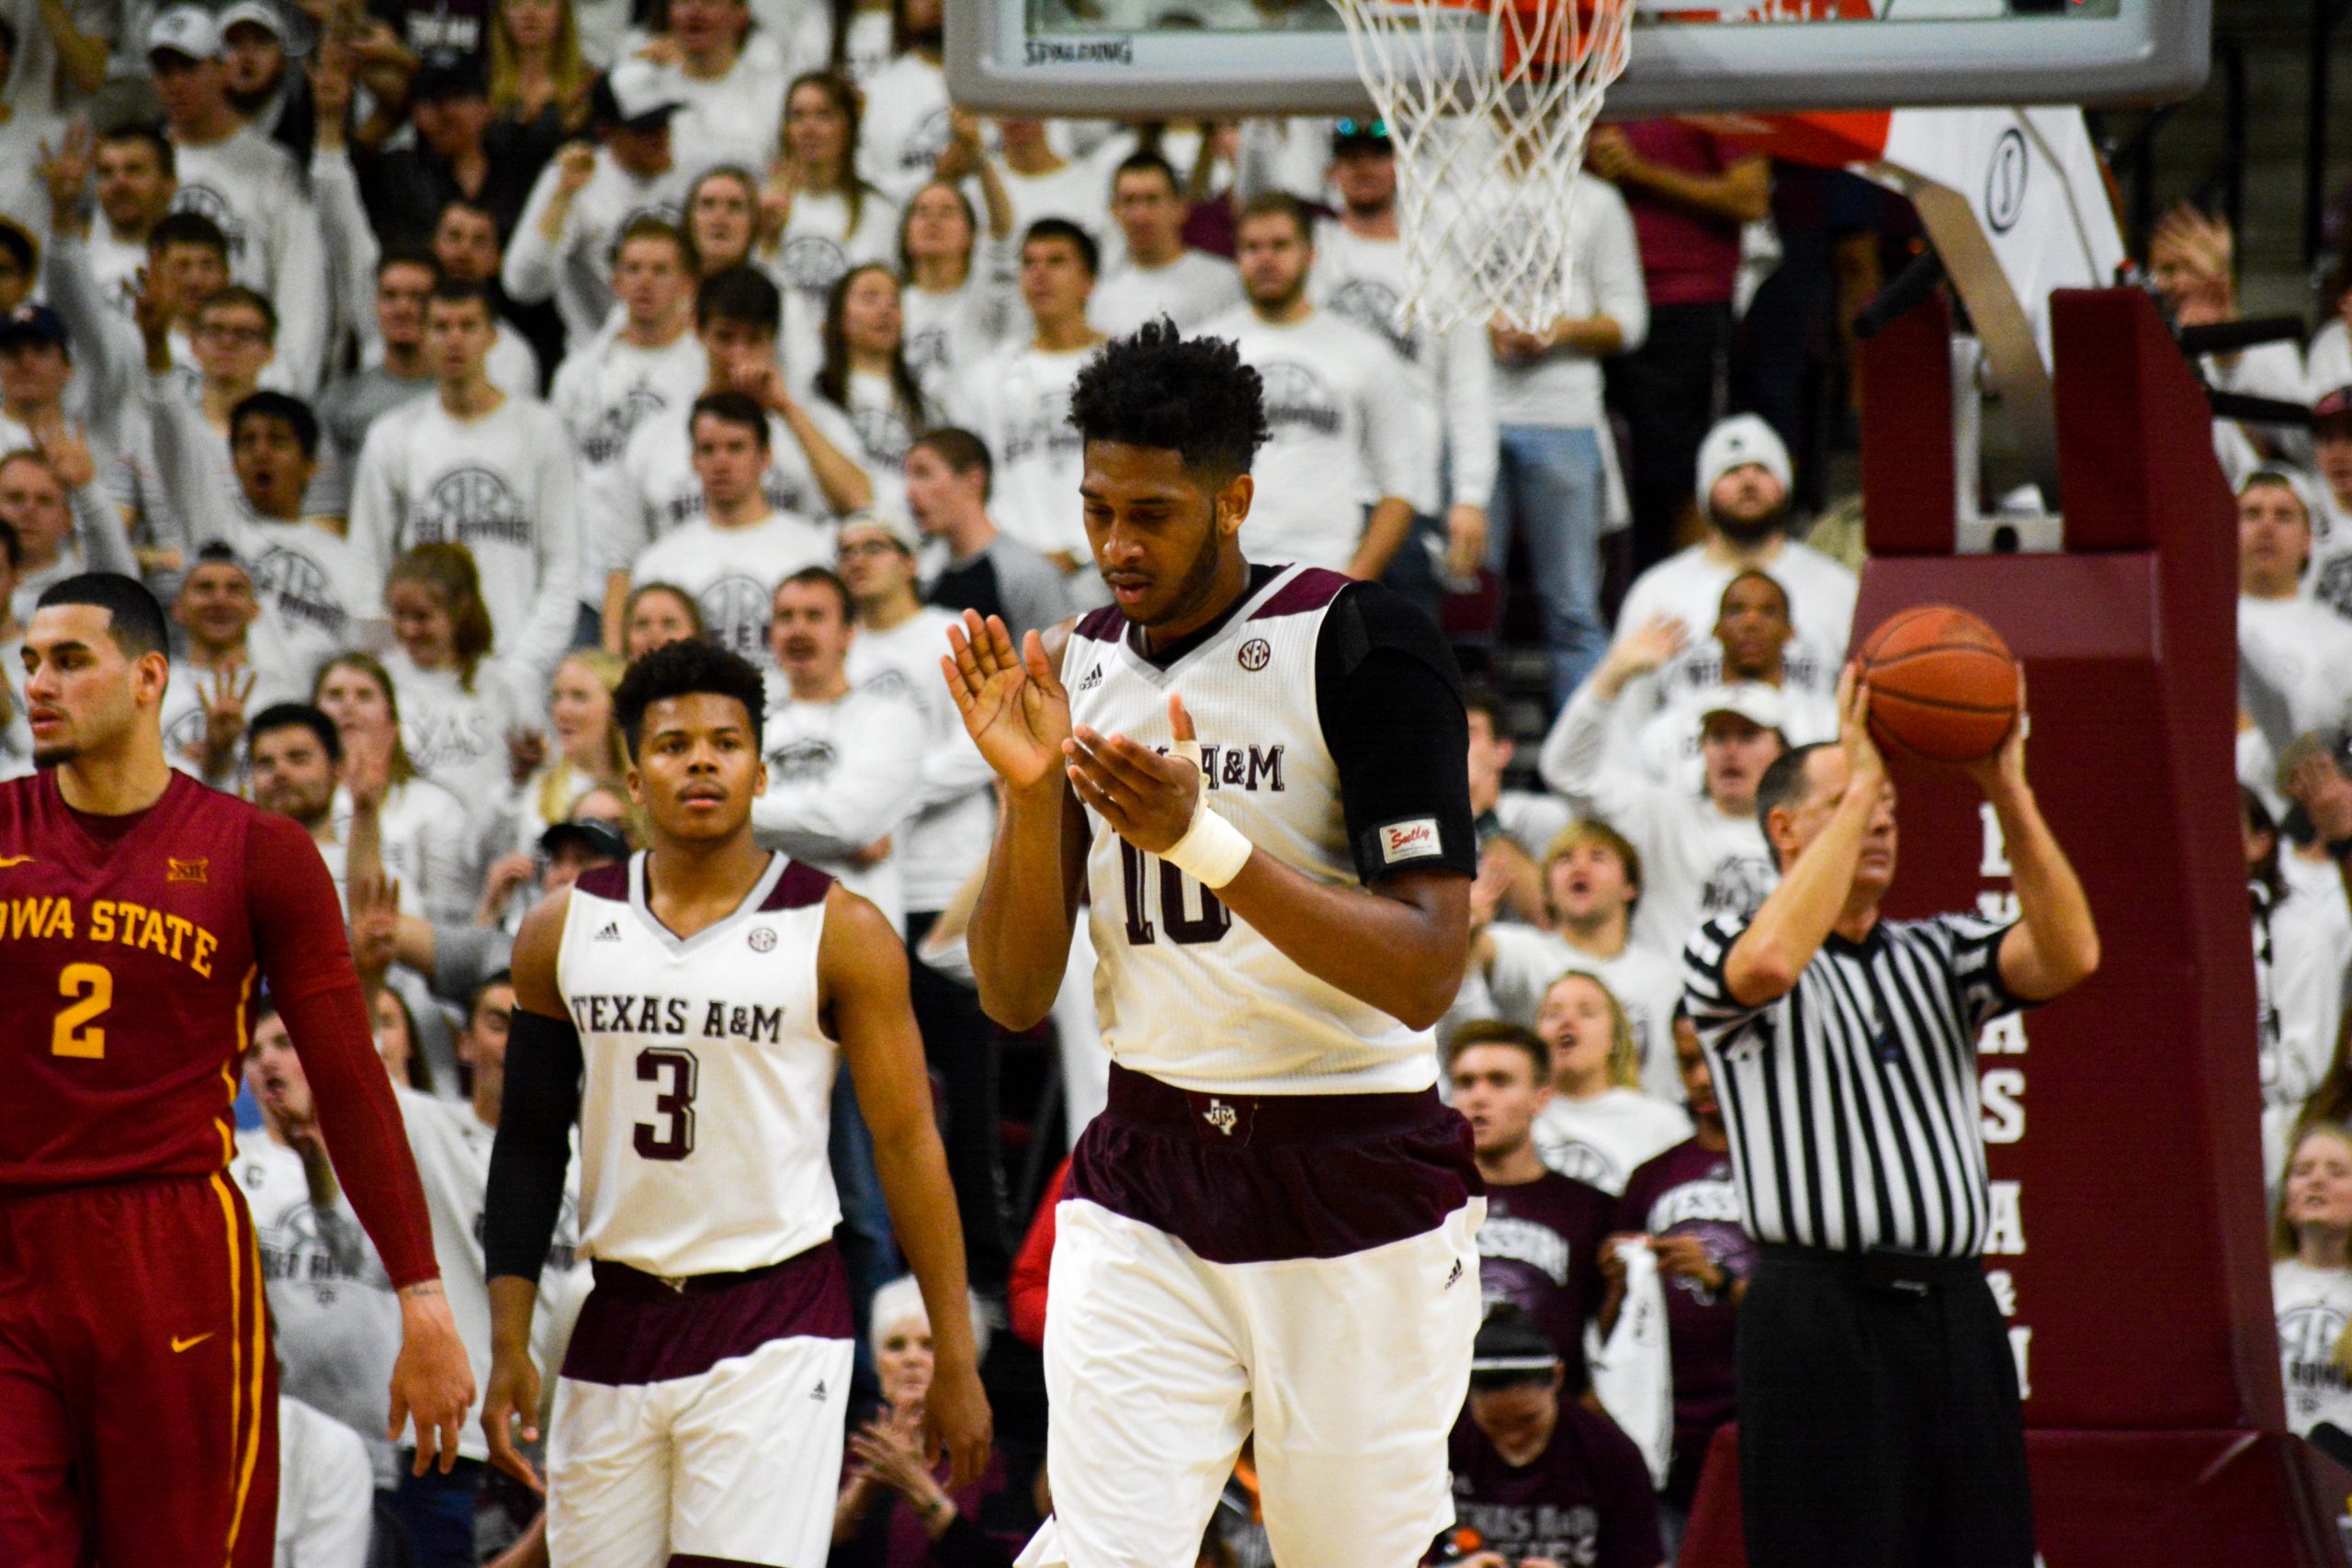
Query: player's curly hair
{"points": [[1193, 396], [685, 669]]}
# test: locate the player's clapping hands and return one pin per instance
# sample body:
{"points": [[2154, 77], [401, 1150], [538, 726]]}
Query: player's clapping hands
{"points": [[1015, 707], [1146, 796]]}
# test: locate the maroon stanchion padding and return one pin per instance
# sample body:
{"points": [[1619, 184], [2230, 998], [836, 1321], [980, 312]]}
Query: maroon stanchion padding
{"points": [[2122, 1121]]}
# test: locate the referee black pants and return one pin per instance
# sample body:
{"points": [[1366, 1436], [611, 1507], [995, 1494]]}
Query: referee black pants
{"points": [[1878, 1425]]}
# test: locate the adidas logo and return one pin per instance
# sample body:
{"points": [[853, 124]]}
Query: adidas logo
{"points": [[1093, 678], [819, 1395], [612, 931], [1454, 1277]]}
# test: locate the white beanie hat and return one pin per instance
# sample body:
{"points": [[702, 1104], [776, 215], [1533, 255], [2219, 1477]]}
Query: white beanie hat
{"points": [[1734, 444]]}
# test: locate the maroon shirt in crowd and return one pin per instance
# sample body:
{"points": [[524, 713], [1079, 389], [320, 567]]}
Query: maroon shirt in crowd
{"points": [[1539, 1250], [1584, 1502], [1688, 1191], [1688, 258]]}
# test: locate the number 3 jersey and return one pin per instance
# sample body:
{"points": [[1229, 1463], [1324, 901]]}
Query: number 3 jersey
{"points": [[706, 1078], [1331, 724]]}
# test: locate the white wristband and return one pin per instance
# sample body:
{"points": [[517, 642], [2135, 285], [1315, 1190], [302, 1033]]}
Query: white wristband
{"points": [[1212, 850]]}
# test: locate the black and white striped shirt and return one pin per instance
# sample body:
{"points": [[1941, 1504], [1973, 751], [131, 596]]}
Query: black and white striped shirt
{"points": [[1851, 1102]]}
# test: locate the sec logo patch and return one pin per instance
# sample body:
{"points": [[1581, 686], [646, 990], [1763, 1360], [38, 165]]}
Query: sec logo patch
{"points": [[1256, 654], [762, 938]]}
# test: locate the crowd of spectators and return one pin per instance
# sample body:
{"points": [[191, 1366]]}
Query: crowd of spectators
{"points": [[432, 361]]}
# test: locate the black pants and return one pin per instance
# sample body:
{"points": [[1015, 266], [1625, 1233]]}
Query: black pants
{"points": [[961, 1044], [1877, 1424], [1672, 390]]}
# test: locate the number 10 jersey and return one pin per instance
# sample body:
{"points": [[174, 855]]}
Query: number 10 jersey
{"points": [[707, 1077]]}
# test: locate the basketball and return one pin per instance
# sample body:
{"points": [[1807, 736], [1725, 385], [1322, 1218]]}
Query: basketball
{"points": [[1943, 686]]}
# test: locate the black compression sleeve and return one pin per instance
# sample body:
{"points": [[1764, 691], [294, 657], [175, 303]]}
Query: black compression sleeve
{"points": [[534, 1148], [1391, 701]]}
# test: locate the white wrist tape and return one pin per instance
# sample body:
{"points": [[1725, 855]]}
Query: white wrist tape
{"points": [[1212, 850]]}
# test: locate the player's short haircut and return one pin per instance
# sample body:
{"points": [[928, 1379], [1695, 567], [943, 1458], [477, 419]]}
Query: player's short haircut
{"points": [[829, 577], [1148, 163], [1511, 1352], [687, 668], [135, 621], [1159, 389], [1587, 830], [151, 137], [457, 291], [1089, 253], [184, 228], [651, 226], [12, 545], [1784, 783], [734, 407], [238, 294], [962, 451], [743, 293], [1501, 1031], [293, 410], [1279, 203], [407, 255], [296, 715]]}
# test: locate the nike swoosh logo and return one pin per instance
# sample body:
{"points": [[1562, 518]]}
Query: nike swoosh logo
{"points": [[179, 1344], [7, 861]]}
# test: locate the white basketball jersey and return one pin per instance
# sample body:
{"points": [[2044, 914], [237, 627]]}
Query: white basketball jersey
{"points": [[1186, 992], [704, 1106]]}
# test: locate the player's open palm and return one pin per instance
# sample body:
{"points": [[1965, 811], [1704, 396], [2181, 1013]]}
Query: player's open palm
{"points": [[512, 1407], [433, 1381], [1015, 707]]}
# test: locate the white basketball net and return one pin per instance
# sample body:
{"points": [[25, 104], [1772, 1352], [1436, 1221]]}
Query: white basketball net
{"points": [[1487, 105]]}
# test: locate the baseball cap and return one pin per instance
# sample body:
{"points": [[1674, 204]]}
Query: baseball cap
{"points": [[635, 94], [1359, 135], [32, 324], [2337, 404], [258, 12], [447, 74], [1759, 704], [597, 839], [1734, 444], [185, 30], [899, 531]]}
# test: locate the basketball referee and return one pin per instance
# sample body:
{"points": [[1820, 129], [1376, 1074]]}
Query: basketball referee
{"points": [[1878, 1402]]}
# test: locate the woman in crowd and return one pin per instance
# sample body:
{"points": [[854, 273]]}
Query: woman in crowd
{"points": [[458, 701], [818, 218], [424, 844], [2311, 1278], [396, 1041], [722, 218], [656, 614], [960, 293], [538, 77], [895, 1510], [865, 372], [589, 754], [1599, 1125]]}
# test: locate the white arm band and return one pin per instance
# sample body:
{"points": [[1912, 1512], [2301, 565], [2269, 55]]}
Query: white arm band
{"points": [[1212, 850]]}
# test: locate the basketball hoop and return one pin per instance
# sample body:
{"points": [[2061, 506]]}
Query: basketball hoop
{"points": [[1488, 103]]}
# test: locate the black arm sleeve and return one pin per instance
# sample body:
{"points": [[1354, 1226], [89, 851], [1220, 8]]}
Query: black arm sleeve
{"points": [[534, 1148], [1391, 701]]}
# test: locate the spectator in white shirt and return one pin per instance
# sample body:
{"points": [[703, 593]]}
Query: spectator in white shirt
{"points": [[733, 555], [2294, 654], [2311, 1278], [960, 302], [1599, 1125], [249, 184], [722, 217], [137, 181], [1744, 492], [477, 466], [1754, 643], [1017, 399], [1162, 276], [465, 249], [49, 496], [656, 614], [727, 77], [2331, 569], [1342, 435], [426, 842], [462, 707], [865, 375], [562, 245], [818, 216], [1702, 854], [813, 472], [910, 123], [844, 762], [985, 569], [1043, 183]]}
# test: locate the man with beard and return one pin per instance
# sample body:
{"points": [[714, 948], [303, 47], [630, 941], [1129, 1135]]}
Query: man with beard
{"points": [[1754, 644], [1683, 1207], [274, 98], [1345, 420], [232, 659], [294, 755], [1744, 492]]}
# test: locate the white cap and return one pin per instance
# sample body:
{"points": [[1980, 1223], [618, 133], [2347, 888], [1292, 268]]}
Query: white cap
{"points": [[900, 532], [1759, 704], [640, 89], [260, 12], [1734, 444], [185, 29]]}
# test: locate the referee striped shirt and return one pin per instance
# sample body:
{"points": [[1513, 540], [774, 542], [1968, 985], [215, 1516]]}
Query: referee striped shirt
{"points": [[1851, 1102]]}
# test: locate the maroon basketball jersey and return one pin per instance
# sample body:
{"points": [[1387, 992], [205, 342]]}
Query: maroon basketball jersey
{"points": [[127, 955]]}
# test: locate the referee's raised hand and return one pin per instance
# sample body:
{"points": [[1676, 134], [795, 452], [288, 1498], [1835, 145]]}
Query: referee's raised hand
{"points": [[2004, 769], [1864, 765]]}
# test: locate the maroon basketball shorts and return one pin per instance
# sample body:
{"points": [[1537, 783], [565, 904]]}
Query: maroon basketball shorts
{"points": [[138, 1393]]}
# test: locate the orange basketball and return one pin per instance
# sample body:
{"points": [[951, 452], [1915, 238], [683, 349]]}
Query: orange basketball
{"points": [[1943, 686]]}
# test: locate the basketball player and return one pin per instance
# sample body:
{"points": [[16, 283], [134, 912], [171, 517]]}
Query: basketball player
{"points": [[688, 1010], [1258, 772], [138, 1391]]}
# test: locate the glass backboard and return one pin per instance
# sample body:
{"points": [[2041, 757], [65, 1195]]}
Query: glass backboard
{"points": [[1194, 58]]}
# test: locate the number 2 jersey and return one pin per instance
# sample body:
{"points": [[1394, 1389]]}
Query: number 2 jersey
{"points": [[131, 948], [707, 1082], [1331, 731]]}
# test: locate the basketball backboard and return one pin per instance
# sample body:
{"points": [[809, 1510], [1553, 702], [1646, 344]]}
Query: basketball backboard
{"points": [[1189, 59]]}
